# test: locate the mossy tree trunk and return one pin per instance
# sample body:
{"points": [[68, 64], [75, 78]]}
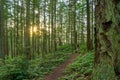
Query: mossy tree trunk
{"points": [[107, 40], [2, 34]]}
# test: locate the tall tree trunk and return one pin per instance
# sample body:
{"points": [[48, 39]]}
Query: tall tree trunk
{"points": [[74, 25], [52, 26], [44, 31], [70, 21], [49, 31], [92, 28], [1, 30], [17, 30], [38, 24], [27, 28], [13, 37], [55, 43], [82, 27], [33, 26], [88, 26], [72, 4], [61, 25], [107, 40], [21, 27]]}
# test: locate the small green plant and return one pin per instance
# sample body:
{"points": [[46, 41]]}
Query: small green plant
{"points": [[65, 48], [18, 68], [14, 69], [80, 69], [82, 48]]}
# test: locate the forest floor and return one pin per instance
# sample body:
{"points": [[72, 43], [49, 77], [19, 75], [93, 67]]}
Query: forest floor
{"points": [[58, 71]]}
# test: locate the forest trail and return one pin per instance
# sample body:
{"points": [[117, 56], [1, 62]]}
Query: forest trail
{"points": [[58, 71]]}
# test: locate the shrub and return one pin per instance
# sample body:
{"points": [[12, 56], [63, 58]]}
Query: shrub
{"points": [[80, 69], [14, 69]]}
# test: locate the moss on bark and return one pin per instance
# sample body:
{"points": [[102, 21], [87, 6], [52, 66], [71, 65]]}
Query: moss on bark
{"points": [[107, 55]]}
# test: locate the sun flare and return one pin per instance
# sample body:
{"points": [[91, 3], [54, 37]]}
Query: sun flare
{"points": [[33, 30]]}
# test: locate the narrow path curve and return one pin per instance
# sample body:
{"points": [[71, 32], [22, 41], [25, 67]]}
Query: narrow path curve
{"points": [[58, 71]]}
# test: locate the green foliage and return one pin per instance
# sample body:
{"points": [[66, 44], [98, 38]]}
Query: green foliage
{"points": [[83, 48], [51, 62], [65, 48], [80, 69], [19, 68], [104, 70], [34, 67], [14, 69]]}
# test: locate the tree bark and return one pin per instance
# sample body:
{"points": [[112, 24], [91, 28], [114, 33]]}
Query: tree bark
{"points": [[1, 30], [88, 26], [44, 31], [107, 40], [27, 34]]}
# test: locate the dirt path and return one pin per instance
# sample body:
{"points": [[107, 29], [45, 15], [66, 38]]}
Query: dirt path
{"points": [[57, 72]]}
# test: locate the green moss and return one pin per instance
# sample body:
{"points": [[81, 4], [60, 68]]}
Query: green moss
{"points": [[111, 14], [104, 72]]}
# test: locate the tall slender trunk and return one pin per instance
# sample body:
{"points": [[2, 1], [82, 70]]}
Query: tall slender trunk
{"points": [[55, 43], [27, 27], [44, 31], [74, 25], [1, 30], [88, 26], [49, 31], [92, 28], [52, 27]]}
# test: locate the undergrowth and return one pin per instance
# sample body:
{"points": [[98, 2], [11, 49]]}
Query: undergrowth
{"points": [[66, 48], [19, 68], [81, 69]]}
